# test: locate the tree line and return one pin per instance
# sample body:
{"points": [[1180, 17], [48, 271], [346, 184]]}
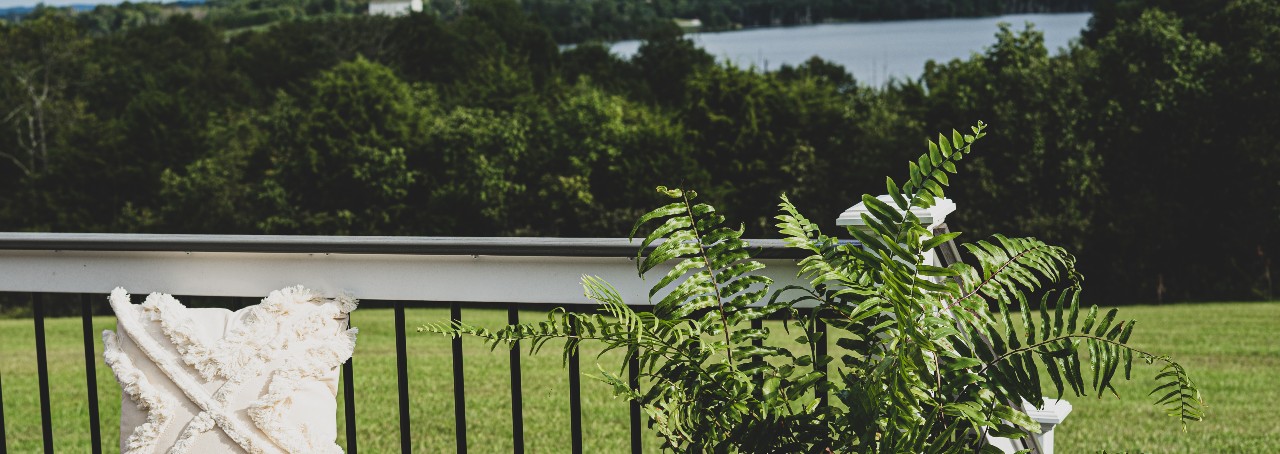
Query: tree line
{"points": [[577, 21], [1149, 148], [570, 21]]}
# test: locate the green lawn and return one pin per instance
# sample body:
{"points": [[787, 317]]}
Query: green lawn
{"points": [[1229, 348]]}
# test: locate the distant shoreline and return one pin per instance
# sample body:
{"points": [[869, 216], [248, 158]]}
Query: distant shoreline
{"points": [[744, 28], [27, 9], [872, 51]]}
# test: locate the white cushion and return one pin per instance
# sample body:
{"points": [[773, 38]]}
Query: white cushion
{"points": [[262, 379]]}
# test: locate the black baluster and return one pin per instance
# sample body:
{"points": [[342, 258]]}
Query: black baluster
{"points": [[90, 371], [402, 369], [517, 399], [459, 394], [575, 395], [42, 366], [349, 398]]}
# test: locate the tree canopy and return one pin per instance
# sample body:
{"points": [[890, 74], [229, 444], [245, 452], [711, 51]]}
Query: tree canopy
{"points": [[1149, 147]]}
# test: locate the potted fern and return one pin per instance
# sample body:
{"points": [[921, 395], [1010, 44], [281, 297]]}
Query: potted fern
{"points": [[930, 358]]}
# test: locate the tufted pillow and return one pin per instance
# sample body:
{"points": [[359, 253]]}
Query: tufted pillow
{"points": [[262, 379]]}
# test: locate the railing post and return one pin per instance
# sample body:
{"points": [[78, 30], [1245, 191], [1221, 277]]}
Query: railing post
{"points": [[930, 218], [1049, 416]]}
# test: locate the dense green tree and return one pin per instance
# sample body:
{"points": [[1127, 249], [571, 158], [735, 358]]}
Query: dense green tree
{"points": [[467, 168], [220, 192], [492, 55], [666, 61], [594, 159], [1161, 82], [290, 53], [41, 61], [158, 88], [104, 20], [233, 14], [595, 63], [1046, 170], [338, 162], [759, 136], [332, 161], [502, 31], [424, 48], [856, 132], [578, 21], [45, 126], [1249, 33], [182, 56], [821, 71]]}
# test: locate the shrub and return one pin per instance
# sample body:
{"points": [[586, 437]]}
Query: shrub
{"points": [[933, 360]]}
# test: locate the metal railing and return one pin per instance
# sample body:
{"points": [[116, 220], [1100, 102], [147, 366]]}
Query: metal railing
{"points": [[404, 271]]}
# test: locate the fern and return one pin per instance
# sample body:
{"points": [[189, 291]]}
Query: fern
{"points": [[696, 349], [932, 357], [1057, 345]]}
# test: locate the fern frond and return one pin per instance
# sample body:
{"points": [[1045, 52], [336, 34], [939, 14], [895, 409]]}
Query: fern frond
{"points": [[829, 266], [928, 175], [1058, 347], [1009, 269], [712, 271]]}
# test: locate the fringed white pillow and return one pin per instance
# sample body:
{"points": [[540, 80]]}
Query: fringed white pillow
{"points": [[262, 379]]}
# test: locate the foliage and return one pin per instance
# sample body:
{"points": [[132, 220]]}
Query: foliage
{"points": [[667, 61], [334, 161], [600, 151], [39, 61], [933, 361], [104, 20], [470, 158], [1046, 167], [159, 121]]}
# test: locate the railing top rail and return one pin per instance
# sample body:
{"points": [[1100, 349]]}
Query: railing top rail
{"points": [[397, 245]]}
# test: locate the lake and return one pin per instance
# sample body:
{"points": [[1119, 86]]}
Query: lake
{"points": [[874, 51]]}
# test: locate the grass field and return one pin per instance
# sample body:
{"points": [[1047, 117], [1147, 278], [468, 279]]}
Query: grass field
{"points": [[1230, 349]]}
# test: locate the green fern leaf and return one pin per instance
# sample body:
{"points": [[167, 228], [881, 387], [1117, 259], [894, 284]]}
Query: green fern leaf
{"points": [[894, 192], [661, 212]]}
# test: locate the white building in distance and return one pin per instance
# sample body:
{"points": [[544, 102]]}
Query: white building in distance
{"points": [[394, 7]]}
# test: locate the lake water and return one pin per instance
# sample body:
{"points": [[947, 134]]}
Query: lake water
{"points": [[875, 51]]}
